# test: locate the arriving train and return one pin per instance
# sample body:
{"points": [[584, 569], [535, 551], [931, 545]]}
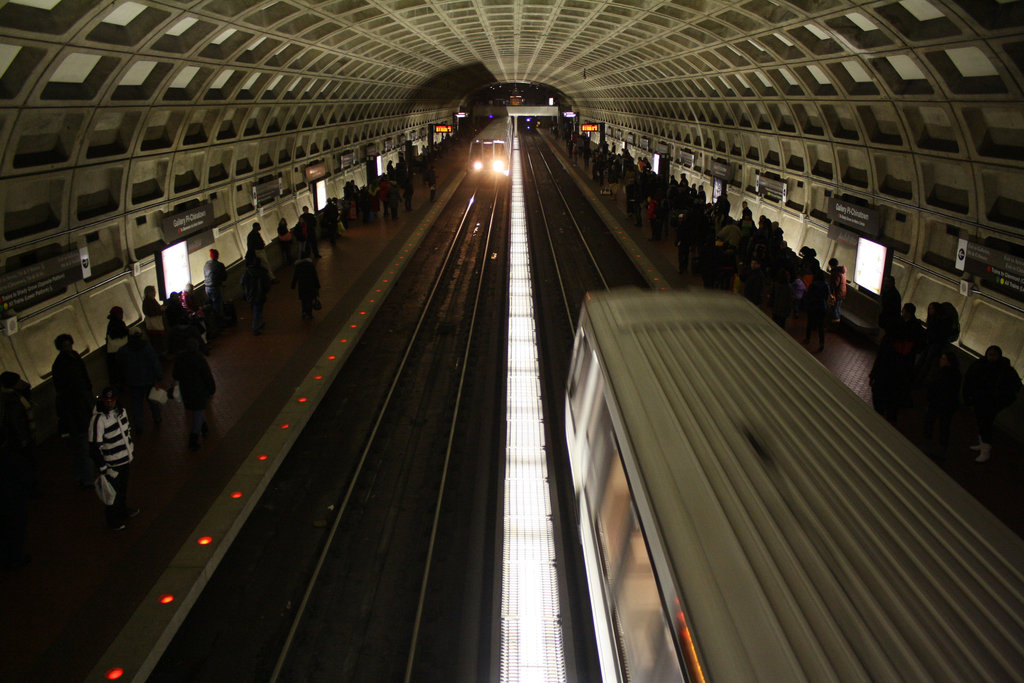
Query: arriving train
{"points": [[491, 148], [746, 517]]}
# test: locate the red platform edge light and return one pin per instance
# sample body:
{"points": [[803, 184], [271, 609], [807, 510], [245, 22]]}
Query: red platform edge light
{"points": [[319, 377], [236, 494], [262, 456], [343, 341], [303, 399], [205, 540], [114, 674], [166, 599], [285, 426], [331, 357]]}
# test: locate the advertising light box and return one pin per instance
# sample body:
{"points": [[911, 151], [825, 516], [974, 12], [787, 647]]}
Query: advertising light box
{"points": [[172, 269], [320, 194], [870, 268]]}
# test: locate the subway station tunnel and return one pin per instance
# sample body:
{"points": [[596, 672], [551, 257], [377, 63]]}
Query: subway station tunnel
{"points": [[116, 115]]}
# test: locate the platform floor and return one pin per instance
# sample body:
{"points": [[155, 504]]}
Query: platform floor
{"points": [[84, 582]]}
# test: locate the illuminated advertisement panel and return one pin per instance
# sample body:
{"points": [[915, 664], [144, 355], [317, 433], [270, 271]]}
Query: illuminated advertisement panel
{"points": [[173, 271], [870, 268]]}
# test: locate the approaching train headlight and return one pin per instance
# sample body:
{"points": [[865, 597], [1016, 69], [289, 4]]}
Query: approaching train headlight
{"points": [[478, 165], [498, 166]]}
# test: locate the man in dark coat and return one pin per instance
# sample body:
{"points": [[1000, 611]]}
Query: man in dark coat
{"points": [[255, 285], [305, 279], [140, 367], [196, 384], [74, 402], [990, 385]]}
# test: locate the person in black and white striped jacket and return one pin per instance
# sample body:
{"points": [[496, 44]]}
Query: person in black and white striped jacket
{"points": [[110, 440]]}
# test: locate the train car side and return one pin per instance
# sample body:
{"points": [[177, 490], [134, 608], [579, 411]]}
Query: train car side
{"points": [[735, 492]]}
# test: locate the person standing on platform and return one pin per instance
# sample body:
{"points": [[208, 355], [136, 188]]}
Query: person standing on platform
{"points": [[407, 191], [255, 285], [141, 371], [781, 298], [284, 241], [430, 178], [991, 385], [837, 283], [816, 304], [117, 336], [943, 399], [214, 277], [74, 402], [154, 320], [196, 384], [304, 278], [312, 237], [110, 436], [891, 314]]}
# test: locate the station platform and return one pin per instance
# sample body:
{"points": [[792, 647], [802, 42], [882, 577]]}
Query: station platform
{"points": [[80, 595], [82, 589]]}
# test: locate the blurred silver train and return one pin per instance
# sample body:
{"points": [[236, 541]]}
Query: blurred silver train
{"points": [[491, 148], [746, 517]]}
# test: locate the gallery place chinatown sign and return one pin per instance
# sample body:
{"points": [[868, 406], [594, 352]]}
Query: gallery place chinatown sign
{"points": [[854, 216], [184, 223]]}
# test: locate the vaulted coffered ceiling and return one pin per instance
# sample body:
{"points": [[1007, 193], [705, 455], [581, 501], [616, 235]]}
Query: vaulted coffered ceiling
{"points": [[913, 101]]}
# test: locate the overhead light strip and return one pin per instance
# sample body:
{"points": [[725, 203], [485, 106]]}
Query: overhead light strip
{"points": [[531, 633]]}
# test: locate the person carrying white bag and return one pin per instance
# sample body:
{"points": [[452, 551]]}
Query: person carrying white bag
{"points": [[111, 447]]}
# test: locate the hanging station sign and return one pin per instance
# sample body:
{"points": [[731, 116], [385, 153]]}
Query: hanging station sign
{"points": [[1003, 269], [184, 223], [661, 148], [686, 159], [855, 216], [769, 188], [590, 127], [721, 169], [315, 172], [442, 128], [347, 158], [25, 287], [266, 192]]}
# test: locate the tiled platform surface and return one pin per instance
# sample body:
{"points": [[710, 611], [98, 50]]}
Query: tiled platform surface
{"points": [[63, 609]]}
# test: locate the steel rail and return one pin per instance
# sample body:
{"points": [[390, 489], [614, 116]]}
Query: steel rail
{"points": [[343, 506]]}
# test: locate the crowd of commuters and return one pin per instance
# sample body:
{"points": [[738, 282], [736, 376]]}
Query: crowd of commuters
{"points": [[753, 259], [165, 358]]}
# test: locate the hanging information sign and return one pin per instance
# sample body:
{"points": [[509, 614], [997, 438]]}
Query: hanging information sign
{"points": [[25, 287], [182, 224], [855, 216]]}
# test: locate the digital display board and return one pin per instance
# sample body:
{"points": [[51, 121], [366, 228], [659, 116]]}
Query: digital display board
{"points": [[442, 128], [870, 268], [590, 127]]}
